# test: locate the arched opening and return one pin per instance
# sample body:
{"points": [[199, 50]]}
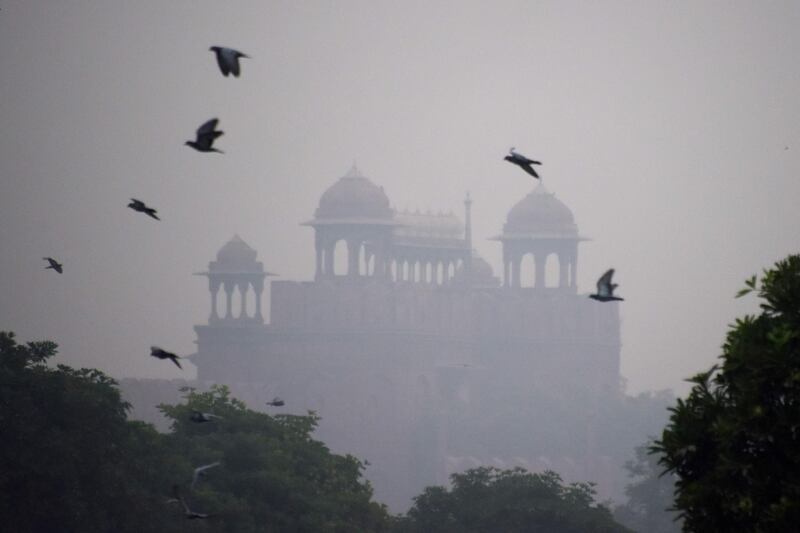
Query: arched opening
{"points": [[527, 271], [451, 271], [415, 277], [551, 268], [439, 273], [340, 258], [428, 272]]}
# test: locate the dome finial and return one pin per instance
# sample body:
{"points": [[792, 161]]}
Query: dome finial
{"points": [[353, 172]]}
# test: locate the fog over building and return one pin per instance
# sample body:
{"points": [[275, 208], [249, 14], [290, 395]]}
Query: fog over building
{"points": [[417, 357]]}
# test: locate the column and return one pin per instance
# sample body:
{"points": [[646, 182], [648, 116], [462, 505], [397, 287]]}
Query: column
{"points": [[563, 272], [243, 297], [320, 252], [328, 259], [353, 248], [228, 288], [258, 288], [213, 287], [539, 260]]}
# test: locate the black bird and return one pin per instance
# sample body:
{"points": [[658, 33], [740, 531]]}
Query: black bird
{"points": [[605, 289], [523, 162], [55, 265], [200, 472], [228, 60], [191, 515], [138, 205], [206, 134], [276, 402], [199, 417], [155, 351]]}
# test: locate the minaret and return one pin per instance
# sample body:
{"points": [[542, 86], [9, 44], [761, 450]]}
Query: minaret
{"points": [[468, 235]]}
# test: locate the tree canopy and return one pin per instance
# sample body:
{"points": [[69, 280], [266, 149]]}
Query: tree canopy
{"points": [[488, 499], [70, 461], [734, 442], [650, 495]]}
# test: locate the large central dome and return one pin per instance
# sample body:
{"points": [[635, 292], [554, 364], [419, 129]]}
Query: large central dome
{"points": [[354, 197], [540, 213]]}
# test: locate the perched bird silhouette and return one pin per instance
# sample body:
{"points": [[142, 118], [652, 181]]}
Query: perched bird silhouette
{"points": [[138, 205], [155, 351], [200, 417], [55, 265], [605, 289], [191, 515], [205, 136], [523, 162], [200, 472], [276, 402], [228, 60]]}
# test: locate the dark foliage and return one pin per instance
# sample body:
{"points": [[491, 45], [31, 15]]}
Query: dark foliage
{"points": [[734, 442], [650, 496], [70, 461], [488, 500]]}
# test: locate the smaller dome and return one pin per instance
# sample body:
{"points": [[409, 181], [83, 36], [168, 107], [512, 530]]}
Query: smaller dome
{"points": [[541, 213], [353, 196], [236, 255]]}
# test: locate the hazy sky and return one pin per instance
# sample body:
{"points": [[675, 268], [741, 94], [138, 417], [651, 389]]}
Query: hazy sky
{"points": [[664, 126]]}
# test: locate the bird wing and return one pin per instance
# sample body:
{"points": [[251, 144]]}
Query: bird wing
{"points": [[529, 169], [231, 59], [203, 468], [604, 283], [208, 128], [222, 61], [174, 359]]}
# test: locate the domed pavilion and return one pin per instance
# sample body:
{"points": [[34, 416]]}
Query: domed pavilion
{"points": [[540, 224]]}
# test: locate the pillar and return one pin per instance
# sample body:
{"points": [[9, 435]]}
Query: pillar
{"points": [[563, 262], [353, 248], [243, 286], [540, 262], [213, 287], [258, 289], [228, 288]]}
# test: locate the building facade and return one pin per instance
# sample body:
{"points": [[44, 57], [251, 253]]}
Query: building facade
{"points": [[417, 358]]}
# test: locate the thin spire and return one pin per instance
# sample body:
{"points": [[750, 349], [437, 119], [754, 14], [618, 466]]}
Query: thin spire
{"points": [[354, 172]]}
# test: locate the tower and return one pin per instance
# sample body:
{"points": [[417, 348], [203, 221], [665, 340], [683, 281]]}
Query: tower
{"points": [[236, 269], [540, 225], [356, 211]]}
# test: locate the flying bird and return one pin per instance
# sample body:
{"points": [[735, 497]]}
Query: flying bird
{"points": [[276, 402], [191, 515], [523, 162], [199, 417], [155, 351], [138, 205], [55, 265], [205, 136], [228, 60], [605, 289], [200, 472]]}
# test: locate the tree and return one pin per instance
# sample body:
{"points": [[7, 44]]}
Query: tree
{"points": [[650, 495], [734, 442], [273, 475], [487, 499], [69, 459]]}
